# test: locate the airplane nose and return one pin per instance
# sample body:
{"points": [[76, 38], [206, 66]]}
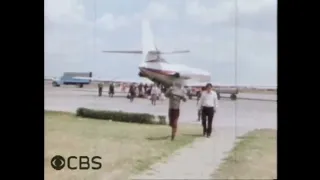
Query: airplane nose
{"points": [[142, 66]]}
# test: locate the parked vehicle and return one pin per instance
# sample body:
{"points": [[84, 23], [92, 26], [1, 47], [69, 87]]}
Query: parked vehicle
{"points": [[67, 79]]}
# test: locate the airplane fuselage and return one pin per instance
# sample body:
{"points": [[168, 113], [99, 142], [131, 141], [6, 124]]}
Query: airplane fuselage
{"points": [[166, 73]]}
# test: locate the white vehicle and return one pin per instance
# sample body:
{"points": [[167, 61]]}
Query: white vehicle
{"points": [[155, 68]]}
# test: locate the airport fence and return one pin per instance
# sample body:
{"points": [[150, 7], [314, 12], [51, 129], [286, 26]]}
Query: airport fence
{"points": [[120, 116]]}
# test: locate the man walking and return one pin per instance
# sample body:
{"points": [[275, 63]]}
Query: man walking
{"points": [[132, 92], [208, 103], [140, 92], [175, 95], [145, 87], [100, 88], [111, 90]]}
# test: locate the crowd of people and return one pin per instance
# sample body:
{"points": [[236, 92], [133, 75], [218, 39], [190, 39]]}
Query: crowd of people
{"points": [[153, 92], [207, 101]]}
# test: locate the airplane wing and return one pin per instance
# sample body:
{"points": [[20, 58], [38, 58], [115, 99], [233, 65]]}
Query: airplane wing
{"points": [[126, 52], [198, 84], [257, 86], [226, 86], [175, 52], [154, 52], [195, 83], [116, 80]]}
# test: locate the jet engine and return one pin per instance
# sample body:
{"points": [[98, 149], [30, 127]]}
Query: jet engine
{"points": [[141, 74], [176, 75], [179, 75]]}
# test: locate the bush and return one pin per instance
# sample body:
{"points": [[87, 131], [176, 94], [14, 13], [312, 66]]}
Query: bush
{"points": [[162, 120], [142, 118]]}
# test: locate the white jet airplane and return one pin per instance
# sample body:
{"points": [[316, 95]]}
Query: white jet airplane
{"points": [[155, 68]]}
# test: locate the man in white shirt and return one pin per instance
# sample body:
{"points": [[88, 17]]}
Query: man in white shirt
{"points": [[208, 102]]}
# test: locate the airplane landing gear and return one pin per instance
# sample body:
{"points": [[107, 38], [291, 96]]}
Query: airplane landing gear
{"points": [[233, 97], [218, 94]]}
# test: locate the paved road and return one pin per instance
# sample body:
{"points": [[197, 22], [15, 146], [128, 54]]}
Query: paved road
{"points": [[93, 91]]}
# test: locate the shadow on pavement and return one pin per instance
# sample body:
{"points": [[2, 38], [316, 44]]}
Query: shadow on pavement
{"points": [[193, 135], [157, 138]]}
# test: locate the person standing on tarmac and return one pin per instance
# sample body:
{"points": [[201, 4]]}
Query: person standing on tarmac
{"points": [[145, 87], [140, 92], [111, 90], [154, 94], [132, 92], [188, 89], [100, 88]]}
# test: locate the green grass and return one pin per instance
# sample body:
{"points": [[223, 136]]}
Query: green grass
{"points": [[125, 148], [253, 157]]}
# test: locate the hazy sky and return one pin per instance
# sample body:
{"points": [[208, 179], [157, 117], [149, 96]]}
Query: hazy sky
{"points": [[76, 31]]}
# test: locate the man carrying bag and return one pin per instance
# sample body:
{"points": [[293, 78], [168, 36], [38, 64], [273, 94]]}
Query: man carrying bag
{"points": [[175, 95]]}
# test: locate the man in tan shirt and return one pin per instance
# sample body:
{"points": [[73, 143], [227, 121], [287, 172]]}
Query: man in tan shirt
{"points": [[100, 88], [175, 95]]}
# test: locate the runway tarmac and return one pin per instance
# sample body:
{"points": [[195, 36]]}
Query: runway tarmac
{"points": [[92, 90], [249, 114]]}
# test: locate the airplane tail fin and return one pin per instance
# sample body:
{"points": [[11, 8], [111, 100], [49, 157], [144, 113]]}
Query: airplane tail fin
{"points": [[148, 41], [148, 44], [149, 49]]}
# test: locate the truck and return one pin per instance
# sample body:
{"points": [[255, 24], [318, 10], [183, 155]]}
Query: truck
{"points": [[68, 79]]}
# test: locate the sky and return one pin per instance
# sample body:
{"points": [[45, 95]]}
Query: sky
{"points": [[76, 32]]}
